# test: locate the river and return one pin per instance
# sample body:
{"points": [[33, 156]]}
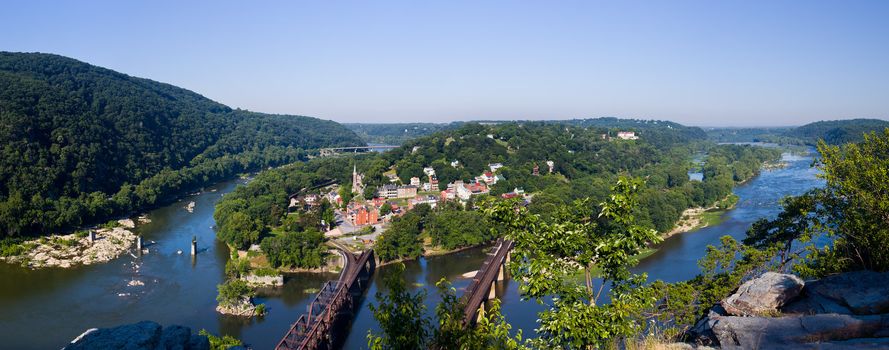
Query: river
{"points": [[47, 308]]}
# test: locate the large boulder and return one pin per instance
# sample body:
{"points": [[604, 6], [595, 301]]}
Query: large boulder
{"points": [[858, 293], [145, 335], [802, 331], [763, 295]]}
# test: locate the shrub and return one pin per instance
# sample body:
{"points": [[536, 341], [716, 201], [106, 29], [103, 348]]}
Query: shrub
{"points": [[233, 291], [220, 343]]}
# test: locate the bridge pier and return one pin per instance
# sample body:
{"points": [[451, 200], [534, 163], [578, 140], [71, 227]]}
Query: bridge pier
{"points": [[501, 275]]}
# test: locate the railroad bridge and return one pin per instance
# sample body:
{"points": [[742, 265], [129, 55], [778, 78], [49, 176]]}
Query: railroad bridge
{"points": [[482, 287], [333, 306]]}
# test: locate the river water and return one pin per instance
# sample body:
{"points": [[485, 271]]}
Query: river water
{"points": [[47, 308]]}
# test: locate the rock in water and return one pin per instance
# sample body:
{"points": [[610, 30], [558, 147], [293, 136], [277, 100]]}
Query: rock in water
{"points": [[145, 335], [763, 295]]}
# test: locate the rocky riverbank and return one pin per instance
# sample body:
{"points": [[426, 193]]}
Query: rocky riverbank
{"points": [[77, 248], [844, 311]]}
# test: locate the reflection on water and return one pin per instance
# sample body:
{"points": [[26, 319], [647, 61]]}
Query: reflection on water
{"points": [[46, 308]]}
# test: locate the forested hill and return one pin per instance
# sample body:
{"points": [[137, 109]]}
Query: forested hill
{"points": [[397, 133], [74, 134], [837, 132]]}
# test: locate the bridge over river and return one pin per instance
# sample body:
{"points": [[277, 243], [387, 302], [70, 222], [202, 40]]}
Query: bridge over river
{"points": [[333, 306], [481, 289]]}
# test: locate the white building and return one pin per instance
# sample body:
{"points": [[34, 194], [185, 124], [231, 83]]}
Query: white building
{"points": [[495, 166], [415, 181], [627, 135], [429, 171]]}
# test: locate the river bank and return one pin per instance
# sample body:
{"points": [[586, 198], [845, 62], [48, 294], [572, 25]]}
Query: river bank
{"points": [[85, 247], [693, 219]]}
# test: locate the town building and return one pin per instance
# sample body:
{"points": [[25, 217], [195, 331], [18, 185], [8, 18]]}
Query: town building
{"points": [[627, 135], [495, 166], [432, 201], [465, 191], [360, 214], [429, 171], [388, 191], [536, 170], [551, 165], [448, 194], [406, 191], [415, 181], [488, 178], [431, 186], [393, 191]]}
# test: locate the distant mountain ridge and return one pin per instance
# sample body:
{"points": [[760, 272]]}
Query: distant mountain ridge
{"points": [[69, 129], [837, 132]]}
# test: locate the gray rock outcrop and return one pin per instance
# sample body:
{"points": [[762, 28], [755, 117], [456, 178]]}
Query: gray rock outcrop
{"points": [[852, 293], [844, 311], [763, 295], [801, 331], [145, 335]]}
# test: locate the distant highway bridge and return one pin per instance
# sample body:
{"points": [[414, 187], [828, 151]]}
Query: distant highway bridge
{"points": [[331, 151]]}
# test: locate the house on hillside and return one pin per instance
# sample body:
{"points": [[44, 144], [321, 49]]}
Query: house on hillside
{"points": [[488, 178], [408, 191], [627, 135], [361, 214], [465, 191], [432, 201]]}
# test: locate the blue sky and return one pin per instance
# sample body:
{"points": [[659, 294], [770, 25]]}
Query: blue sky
{"points": [[707, 63]]}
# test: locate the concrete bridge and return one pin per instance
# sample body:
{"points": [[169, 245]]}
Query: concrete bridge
{"points": [[481, 289], [333, 306], [331, 151]]}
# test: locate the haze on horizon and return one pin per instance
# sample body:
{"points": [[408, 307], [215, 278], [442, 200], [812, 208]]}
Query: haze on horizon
{"points": [[699, 63]]}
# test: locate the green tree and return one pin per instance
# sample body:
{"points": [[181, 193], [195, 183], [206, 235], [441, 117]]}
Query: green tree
{"points": [[548, 254], [295, 249], [404, 324], [401, 316], [232, 291]]}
